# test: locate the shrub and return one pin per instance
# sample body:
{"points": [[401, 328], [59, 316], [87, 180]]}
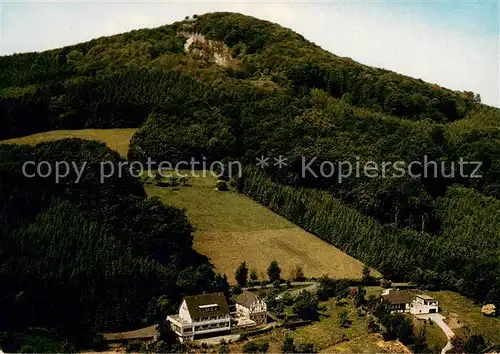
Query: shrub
{"points": [[288, 345], [237, 289], [332, 288], [223, 349], [306, 348], [241, 275], [343, 319], [306, 306], [366, 273], [274, 272], [489, 310], [287, 299], [254, 276], [385, 283], [373, 326], [256, 347], [222, 186], [297, 274]]}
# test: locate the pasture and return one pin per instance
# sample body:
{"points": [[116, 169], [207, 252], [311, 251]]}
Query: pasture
{"points": [[231, 228]]}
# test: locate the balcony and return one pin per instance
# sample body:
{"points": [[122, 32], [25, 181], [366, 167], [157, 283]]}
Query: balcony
{"points": [[182, 326], [212, 330], [204, 322]]}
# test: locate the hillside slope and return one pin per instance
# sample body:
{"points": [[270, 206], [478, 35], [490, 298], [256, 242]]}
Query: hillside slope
{"points": [[226, 223], [93, 85]]}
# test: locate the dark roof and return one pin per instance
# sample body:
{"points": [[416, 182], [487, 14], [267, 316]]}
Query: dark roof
{"points": [[193, 303], [426, 297], [403, 285], [396, 297], [246, 298]]}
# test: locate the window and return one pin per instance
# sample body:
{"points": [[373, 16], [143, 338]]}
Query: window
{"points": [[208, 308]]}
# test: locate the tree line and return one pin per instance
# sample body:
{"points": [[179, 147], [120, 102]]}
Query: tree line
{"points": [[466, 261]]}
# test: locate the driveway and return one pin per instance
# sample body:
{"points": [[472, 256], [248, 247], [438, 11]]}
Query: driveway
{"points": [[311, 286], [216, 340], [438, 319]]}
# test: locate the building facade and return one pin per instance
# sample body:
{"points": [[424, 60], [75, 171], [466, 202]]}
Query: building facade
{"points": [[251, 307], [201, 315], [423, 304], [398, 301]]}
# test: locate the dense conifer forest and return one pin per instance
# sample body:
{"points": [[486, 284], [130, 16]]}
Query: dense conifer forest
{"points": [[83, 258], [110, 252]]}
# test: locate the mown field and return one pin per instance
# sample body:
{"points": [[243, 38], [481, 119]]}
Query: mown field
{"points": [[232, 228], [116, 139]]}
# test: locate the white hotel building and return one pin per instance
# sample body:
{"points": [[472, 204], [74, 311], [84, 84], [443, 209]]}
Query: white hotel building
{"points": [[201, 315]]}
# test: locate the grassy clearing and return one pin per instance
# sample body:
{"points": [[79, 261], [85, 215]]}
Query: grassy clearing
{"points": [[232, 228], [434, 335], [373, 291], [116, 139], [457, 307], [327, 335], [369, 343]]}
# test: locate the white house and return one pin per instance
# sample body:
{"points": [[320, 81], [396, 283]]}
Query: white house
{"points": [[204, 314], [423, 304], [249, 306], [397, 300]]}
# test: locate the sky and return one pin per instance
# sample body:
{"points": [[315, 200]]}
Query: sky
{"points": [[452, 43]]}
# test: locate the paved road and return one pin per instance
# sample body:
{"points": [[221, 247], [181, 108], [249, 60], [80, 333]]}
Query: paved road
{"points": [[216, 340], [311, 288], [438, 319]]}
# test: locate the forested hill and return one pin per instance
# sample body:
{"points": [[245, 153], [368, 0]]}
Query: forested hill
{"points": [[228, 86], [117, 81]]}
